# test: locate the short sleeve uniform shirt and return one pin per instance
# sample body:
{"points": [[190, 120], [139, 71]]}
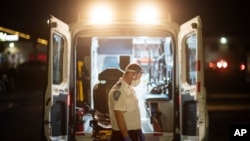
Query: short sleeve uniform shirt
{"points": [[122, 97]]}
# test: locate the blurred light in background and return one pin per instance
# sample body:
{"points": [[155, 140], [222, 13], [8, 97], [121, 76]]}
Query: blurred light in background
{"points": [[11, 45], [222, 64], [223, 40], [242, 67]]}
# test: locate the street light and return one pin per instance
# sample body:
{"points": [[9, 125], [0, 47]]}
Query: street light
{"points": [[223, 44], [223, 40]]}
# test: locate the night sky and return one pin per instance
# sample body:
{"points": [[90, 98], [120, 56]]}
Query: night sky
{"points": [[219, 17]]}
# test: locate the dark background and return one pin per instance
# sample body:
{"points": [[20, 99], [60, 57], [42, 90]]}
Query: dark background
{"points": [[21, 110], [219, 17]]}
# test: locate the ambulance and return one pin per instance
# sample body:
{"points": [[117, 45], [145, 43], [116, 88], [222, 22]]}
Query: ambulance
{"points": [[86, 58]]}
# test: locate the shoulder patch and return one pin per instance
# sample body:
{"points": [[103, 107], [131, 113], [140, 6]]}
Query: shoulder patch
{"points": [[116, 95]]}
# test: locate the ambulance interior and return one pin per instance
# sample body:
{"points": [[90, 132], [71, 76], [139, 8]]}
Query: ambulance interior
{"points": [[103, 59]]}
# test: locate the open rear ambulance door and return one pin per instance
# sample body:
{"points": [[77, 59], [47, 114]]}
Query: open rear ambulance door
{"points": [[56, 102], [192, 92]]}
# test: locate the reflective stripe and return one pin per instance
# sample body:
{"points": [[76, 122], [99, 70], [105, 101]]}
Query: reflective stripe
{"points": [[198, 87], [198, 65]]}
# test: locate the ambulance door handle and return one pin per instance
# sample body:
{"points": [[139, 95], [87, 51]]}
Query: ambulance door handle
{"points": [[47, 101], [187, 92], [46, 122], [61, 91]]}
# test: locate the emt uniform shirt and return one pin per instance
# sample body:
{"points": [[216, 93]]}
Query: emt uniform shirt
{"points": [[122, 97]]}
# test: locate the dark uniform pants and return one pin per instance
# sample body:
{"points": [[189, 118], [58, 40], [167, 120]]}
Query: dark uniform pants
{"points": [[135, 135]]}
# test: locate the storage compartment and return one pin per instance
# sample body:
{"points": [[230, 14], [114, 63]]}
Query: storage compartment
{"points": [[160, 111]]}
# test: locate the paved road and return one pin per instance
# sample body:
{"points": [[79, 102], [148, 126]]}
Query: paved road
{"points": [[20, 117], [20, 110], [225, 110]]}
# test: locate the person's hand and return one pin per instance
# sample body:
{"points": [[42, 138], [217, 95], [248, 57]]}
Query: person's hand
{"points": [[142, 137], [127, 138]]}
